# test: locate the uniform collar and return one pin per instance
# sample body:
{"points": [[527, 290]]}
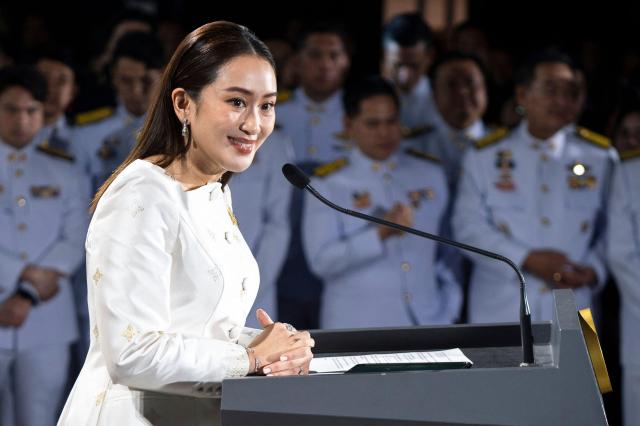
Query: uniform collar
{"points": [[474, 132], [553, 146], [421, 89], [124, 115], [60, 125], [333, 103], [366, 163], [10, 154]]}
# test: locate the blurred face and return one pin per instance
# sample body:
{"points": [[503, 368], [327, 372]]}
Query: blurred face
{"points": [[21, 116], [61, 87], [234, 115], [460, 93], [549, 101], [376, 129], [628, 135], [405, 65], [323, 63], [134, 84]]}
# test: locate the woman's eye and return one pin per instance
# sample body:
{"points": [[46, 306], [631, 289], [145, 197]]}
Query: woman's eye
{"points": [[269, 106], [237, 102]]}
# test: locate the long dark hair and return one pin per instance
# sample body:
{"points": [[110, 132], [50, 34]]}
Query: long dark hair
{"points": [[194, 65]]}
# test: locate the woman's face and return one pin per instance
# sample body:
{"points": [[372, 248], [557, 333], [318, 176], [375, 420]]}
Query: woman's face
{"points": [[234, 115]]}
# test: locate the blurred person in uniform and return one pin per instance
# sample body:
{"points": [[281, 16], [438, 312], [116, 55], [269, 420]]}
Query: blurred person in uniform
{"points": [[376, 276], [261, 203], [459, 86], [43, 225], [135, 70], [623, 252], [536, 195], [57, 66], [408, 52], [312, 118]]}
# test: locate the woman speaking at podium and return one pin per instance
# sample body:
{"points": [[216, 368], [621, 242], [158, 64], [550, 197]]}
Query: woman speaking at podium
{"points": [[170, 278]]}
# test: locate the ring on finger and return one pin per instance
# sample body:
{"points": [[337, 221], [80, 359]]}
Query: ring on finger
{"points": [[557, 277], [289, 327]]}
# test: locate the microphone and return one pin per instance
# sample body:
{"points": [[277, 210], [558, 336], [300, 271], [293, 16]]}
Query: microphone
{"points": [[300, 180]]}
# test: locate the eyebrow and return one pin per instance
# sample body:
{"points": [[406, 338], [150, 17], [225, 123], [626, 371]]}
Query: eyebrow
{"points": [[247, 92]]}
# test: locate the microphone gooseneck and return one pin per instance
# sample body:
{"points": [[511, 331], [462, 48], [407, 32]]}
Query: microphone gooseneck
{"points": [[299, 179]]}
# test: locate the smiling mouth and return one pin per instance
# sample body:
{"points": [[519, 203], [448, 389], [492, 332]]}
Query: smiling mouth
{"points": [[242, 145]]}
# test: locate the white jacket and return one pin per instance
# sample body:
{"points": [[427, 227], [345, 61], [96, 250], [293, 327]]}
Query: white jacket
{"points": [[170, 282]]}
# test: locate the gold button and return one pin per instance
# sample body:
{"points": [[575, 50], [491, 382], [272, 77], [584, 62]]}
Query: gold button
{"points": [[375, 167], [544, 157], [406, 266], [408, 297], [315, 121], [544, 188], [22, 227], [12, 157], [392, 166], [21, 201], [312, 150], [23, 256], [18, 172], [545, 221]]}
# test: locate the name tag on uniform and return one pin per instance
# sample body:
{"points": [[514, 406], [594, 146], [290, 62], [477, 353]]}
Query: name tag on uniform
{"points": [[45, 191]]}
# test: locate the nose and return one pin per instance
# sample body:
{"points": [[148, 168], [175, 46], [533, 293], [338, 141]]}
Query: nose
{"points": [[251, 122]]}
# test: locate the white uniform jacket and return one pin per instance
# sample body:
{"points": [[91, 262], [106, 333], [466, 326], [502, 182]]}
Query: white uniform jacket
{"points": [[170, 282], [370, 282], [519, 194], [43, 221], [623, 249]]}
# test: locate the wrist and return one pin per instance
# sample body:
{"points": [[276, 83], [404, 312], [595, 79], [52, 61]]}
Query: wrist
{"points": [[254, 361]]}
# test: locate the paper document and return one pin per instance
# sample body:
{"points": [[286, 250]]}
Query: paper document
{"points": [[340, 364]]}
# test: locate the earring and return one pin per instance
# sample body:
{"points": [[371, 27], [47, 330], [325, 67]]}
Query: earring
{"points": [[185, 129], [519, 109]]}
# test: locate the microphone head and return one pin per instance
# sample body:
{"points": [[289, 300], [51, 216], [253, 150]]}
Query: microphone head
{"points": [[295, 176]]}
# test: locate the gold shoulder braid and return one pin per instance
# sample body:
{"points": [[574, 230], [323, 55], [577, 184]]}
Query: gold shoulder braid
{"points": [[491, 138], [593, 137]]}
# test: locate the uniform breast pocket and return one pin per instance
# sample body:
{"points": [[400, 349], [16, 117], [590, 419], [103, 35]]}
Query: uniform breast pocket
{"points": [[582, 199], [505, 201], [49, 210]]}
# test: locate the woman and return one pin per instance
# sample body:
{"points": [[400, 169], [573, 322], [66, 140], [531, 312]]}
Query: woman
{"points": [[170, 278]]}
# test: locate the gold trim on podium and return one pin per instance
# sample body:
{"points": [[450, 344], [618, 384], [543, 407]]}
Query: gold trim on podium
{"points": [[595, 351]]}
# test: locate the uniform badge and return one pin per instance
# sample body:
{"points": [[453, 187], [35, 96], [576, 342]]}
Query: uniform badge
{"points": [[108, 149], [416, 197], [45, 191], [505, 164], [361, 200], [580, 176]]}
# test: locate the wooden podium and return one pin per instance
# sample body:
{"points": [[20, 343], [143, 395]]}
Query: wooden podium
{"points": [[561, 389]]}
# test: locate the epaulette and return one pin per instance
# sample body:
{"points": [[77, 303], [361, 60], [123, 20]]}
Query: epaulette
{"points": [[422, 155], [628, 155], [328, 168], [55, 152], [593, 137], [408, 133], [92, 116], [492, 138], [284, 96]]}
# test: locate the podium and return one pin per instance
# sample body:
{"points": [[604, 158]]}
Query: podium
{"points": [[561, 389]]}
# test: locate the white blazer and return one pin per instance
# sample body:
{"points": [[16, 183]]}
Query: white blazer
{"points": [[170, 282]]}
